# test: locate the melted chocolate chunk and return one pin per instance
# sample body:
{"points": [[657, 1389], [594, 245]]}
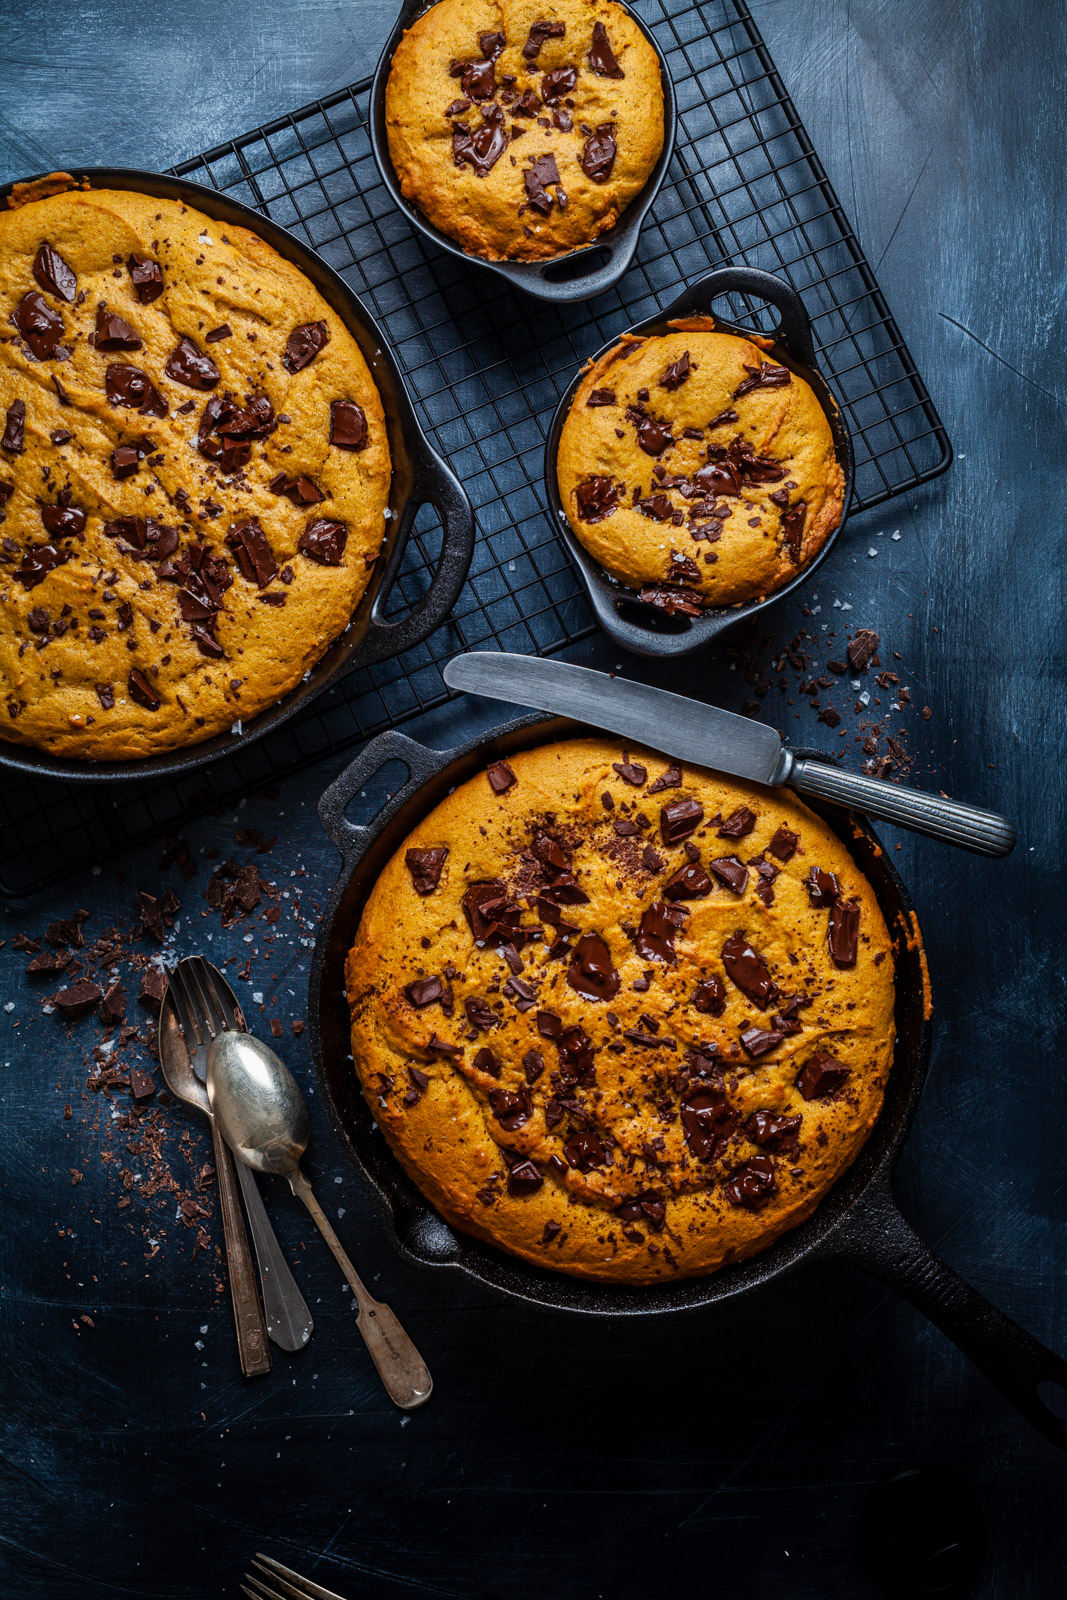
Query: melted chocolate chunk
{"points": [[597, 498], [500, 777], [304, 344], [255, 421], [592, 973], [758, 1041], [425, 868], [823, 888], [793, 529], [14, 437], [142, 691], [527, 104], [539, 32], [533, 1065], [656, 506], [254, 555], [493, 919], [584, 1151], [709, 996], [631, 772], [300, 491], [676, 374], [54, 275], [424, 991], [690, 882], [738, 824], [557, 84], [223, 331], [66, 522], [774, 1132], [763, 377], [652, 435], [38, 561], [730, 871], [542, 171], [486, 1061], [748, 971], [861, 649], [511, 1110], [324, 541], [348, 425], [492, 44], [598, 154], [146, 277], [480, 1014], [680, 818], [114, 332], [39, 325], [188, 365], [675, 602], [523, 1179], [601, 397], [657, 932], [821, 1076], [130, 386], [602, 57], [784, 843], [708, 1119], [752, 1183], [483, 147], [843, 933], [478, 78]]}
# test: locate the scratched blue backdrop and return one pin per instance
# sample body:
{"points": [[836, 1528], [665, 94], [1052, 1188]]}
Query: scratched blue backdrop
{"points": [[732, 1449]]}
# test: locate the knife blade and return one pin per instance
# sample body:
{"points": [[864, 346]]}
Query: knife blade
{"points": [[707, 736]]}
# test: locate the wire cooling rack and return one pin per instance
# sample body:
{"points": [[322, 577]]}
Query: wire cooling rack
{"points": [[485, 367]]}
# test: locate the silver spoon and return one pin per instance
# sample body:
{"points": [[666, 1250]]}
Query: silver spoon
{"points": [[264, 1120]]}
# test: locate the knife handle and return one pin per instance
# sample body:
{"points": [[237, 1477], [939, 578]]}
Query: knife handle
{"points": [[984, 832]]}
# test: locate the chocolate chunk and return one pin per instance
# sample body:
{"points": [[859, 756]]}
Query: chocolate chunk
{"points": [[348, 425], [542, 171], [758, 1041], [483, 147], [129, 386], [675, 602], [254, 555], [821, 1076], [680, 818], [656, 506], [114, 332], [597, 498], [630, 771], [592, 973], [500, 777], [763, 377], [653, 435], [823, 888], [658, 930], [584, 1151], [527, 105], [511, 1110], [324, 541], [708, 1119], [14, 438], [486, 1061], [670, 779], [690, 882], [748, 971], [142, 1084], [602, 57], [480, 1014], [523, 1179], [682, 569], [37, 562], [146, 277], [64, 522], [424, 991], [106, 695], [188, 365], [113, 1006], [539, 32], [255, 421], [557, 84], [54, 275], [493, 919], [751, 1184], [141, 690], [478, 78], [78, 999], [304, 344], [425, 868], [125, 459], [784, 843], [39, 325], [492, 45], [598, 154], [861, 649], [300, 491], [738, 824], [47, 964], [843, 933], [793, 529], [223, 331], [601, 397], [709, 996], [153, 988], [774, 1132], [533, 1065], [676, 374]]}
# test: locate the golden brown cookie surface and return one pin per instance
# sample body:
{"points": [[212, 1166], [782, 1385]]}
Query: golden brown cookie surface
{"points": [[194, 468], [624, 1020], [523, 129], [692, 466]]}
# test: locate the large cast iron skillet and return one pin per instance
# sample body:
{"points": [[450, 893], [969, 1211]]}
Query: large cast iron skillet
{"points": [[419, 477], [857, 1221], [619, 610], [577, 276]]}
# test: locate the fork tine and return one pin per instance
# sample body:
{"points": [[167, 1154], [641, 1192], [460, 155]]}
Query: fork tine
{"points": [[290, 1584], [206, 1010], [178, 990], [208, 976], [258, 1593]]}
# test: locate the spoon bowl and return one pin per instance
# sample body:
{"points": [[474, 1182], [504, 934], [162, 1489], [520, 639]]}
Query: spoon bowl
{"points": [[258, 1103]]}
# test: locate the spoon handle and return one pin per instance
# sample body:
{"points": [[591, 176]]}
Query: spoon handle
{"points": [[252, 1343], [400, 1367], [289, 1322]]}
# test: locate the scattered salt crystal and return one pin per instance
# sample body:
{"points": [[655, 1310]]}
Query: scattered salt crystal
{"points": [[895, 535], [872, 551], [203, 1327], [257, 996], [10, 1006], [236, 728], [198, 1344], [865, 698]]}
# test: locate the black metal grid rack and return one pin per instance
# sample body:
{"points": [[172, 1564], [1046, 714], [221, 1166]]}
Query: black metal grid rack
{"points": [[485, 367]]}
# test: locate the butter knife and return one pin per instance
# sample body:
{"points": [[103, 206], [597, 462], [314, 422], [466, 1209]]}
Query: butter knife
{"points": [[710, 737]]}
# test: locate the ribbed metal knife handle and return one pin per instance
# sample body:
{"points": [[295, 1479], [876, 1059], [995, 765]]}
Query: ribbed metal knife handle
{"points": [[984, 832]]}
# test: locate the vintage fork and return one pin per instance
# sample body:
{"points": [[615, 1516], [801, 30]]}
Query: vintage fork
{"points": [[213, 1009], [269, 1580]]}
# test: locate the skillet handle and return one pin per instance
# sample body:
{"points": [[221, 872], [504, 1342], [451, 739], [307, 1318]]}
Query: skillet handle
{"points": [[351, 837], [880, 1241], [435, 484], [794, 330]]}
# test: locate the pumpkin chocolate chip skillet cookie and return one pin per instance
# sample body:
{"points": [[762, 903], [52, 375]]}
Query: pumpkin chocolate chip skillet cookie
{"points": [[194, 474], [624, 1019]]}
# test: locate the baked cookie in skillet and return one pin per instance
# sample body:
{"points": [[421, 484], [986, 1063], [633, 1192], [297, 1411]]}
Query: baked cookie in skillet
{"points": [[522, 129], [194, 475], [697, 470], [624, 1019]]}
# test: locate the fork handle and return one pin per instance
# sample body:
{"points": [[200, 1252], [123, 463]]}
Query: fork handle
{"points": [[252, 1345], [289, 1322], [403, 1371]]}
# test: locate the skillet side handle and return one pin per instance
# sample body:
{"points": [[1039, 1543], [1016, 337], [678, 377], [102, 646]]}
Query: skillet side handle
{"points": [[435, 484], [351, 837], [883, 1243], [794, 330]]}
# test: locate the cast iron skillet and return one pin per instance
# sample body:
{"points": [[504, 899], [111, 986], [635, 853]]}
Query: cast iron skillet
{"points": [[419, 476], [582, 273], [857, 1221], [619, 610]]}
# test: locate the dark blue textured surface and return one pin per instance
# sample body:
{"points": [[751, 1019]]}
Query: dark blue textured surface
{"points": [[733, 1449]]}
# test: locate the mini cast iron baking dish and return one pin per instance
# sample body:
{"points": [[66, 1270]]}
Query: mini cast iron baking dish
{"points": [[619, 610], [580, 274], [419, 477], [857, 1220]]}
